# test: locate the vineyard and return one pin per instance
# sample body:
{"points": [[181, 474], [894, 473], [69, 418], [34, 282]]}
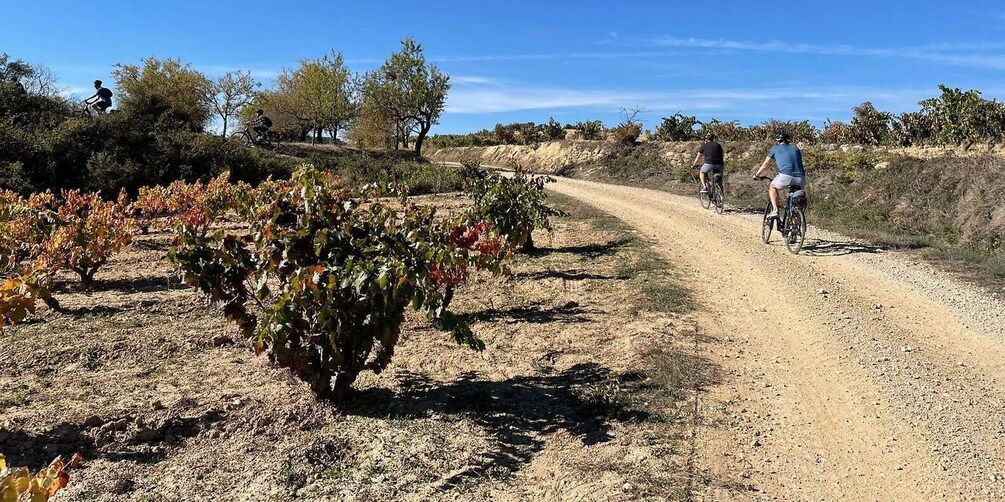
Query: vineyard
{"points": [[321, 277], [310, 273]]}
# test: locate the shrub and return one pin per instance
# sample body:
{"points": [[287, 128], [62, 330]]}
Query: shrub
{"points": [[835, 132], [801, 131], [513, 206], [677, 127], [87, 233], [724, 131], [591, 129], [913, 128], [329, 277], [504, 135], [870, 126], [553, 130]]}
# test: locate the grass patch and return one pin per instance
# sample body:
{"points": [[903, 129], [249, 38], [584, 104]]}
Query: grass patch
{"points": [[667, 296], [421, 178], [637, 261]]}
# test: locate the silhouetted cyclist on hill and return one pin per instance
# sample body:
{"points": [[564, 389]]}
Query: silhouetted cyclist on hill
{"points": [[101, 101], [261, 124]]}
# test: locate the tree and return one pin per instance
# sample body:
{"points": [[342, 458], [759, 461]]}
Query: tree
{"points": [[13, 71], [162, 88], [324, 92], [413, 91], [229, 93], [374, 127]]}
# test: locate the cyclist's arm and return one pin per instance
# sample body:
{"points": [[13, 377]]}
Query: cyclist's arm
{"points": [[764, 166], [697, 157]]}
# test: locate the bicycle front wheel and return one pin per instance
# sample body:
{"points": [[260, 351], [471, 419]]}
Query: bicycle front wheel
{"points": [[767, 225], [705, 198], [797, 231]]}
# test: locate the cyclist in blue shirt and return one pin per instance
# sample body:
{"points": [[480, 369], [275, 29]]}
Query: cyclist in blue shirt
{"points": [[789, 160]]}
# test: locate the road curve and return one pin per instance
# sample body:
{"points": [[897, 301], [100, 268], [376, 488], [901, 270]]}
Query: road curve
{"points": [[847, 371]]}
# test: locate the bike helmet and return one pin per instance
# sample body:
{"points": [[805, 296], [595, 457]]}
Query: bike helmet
{"points": [[782, 137], [97, 83], [710, 137]]}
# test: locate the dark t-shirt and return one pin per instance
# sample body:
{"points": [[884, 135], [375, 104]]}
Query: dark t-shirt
{"points": [[105, 94], [265, 121], [711, 153]]}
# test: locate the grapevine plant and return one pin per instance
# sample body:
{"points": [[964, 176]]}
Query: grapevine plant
{"points": [[18, 484], [514, 206], [322, 281]]}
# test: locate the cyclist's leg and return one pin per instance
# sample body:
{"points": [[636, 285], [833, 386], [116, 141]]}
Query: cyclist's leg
{"points": [[705, 168], [780, 181]]}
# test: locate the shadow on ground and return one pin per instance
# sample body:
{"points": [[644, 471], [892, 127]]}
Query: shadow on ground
{"points": [[112, 438], [516, 412], [824, 247], [568, 275], [534, 313], [587, 250]]}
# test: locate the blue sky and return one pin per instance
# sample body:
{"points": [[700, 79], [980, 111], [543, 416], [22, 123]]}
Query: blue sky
{"points": [[528, 60]]}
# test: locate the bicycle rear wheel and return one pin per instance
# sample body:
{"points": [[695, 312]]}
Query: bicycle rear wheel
{"points": [[767, 225], [797, 231]]}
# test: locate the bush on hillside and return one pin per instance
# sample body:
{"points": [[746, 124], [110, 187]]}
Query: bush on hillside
{"points": [[677, 127]]}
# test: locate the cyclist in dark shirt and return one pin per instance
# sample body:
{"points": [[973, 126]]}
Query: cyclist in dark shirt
{"points": [[261, 124], [711, 157], [101, 101]]}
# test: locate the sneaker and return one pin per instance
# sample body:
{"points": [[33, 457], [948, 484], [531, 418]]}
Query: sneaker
{"points": [[704, 191], [773, 215]]}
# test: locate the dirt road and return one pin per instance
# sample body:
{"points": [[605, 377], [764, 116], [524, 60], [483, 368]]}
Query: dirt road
{"points": [[846, 372]]}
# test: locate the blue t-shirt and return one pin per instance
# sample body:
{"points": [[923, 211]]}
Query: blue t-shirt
{"points": [[789, 159]]}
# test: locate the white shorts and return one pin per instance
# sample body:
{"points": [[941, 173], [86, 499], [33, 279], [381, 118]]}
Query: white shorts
{"points": [[784, 180]]}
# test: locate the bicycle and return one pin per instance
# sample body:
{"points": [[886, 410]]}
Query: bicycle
{"points": [[715, 196], [85, 110], [791, 223], [248, 138]]}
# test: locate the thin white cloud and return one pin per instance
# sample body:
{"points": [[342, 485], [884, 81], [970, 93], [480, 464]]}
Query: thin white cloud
{"points": [[474, 80], [476, 99], [960, 54]]}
